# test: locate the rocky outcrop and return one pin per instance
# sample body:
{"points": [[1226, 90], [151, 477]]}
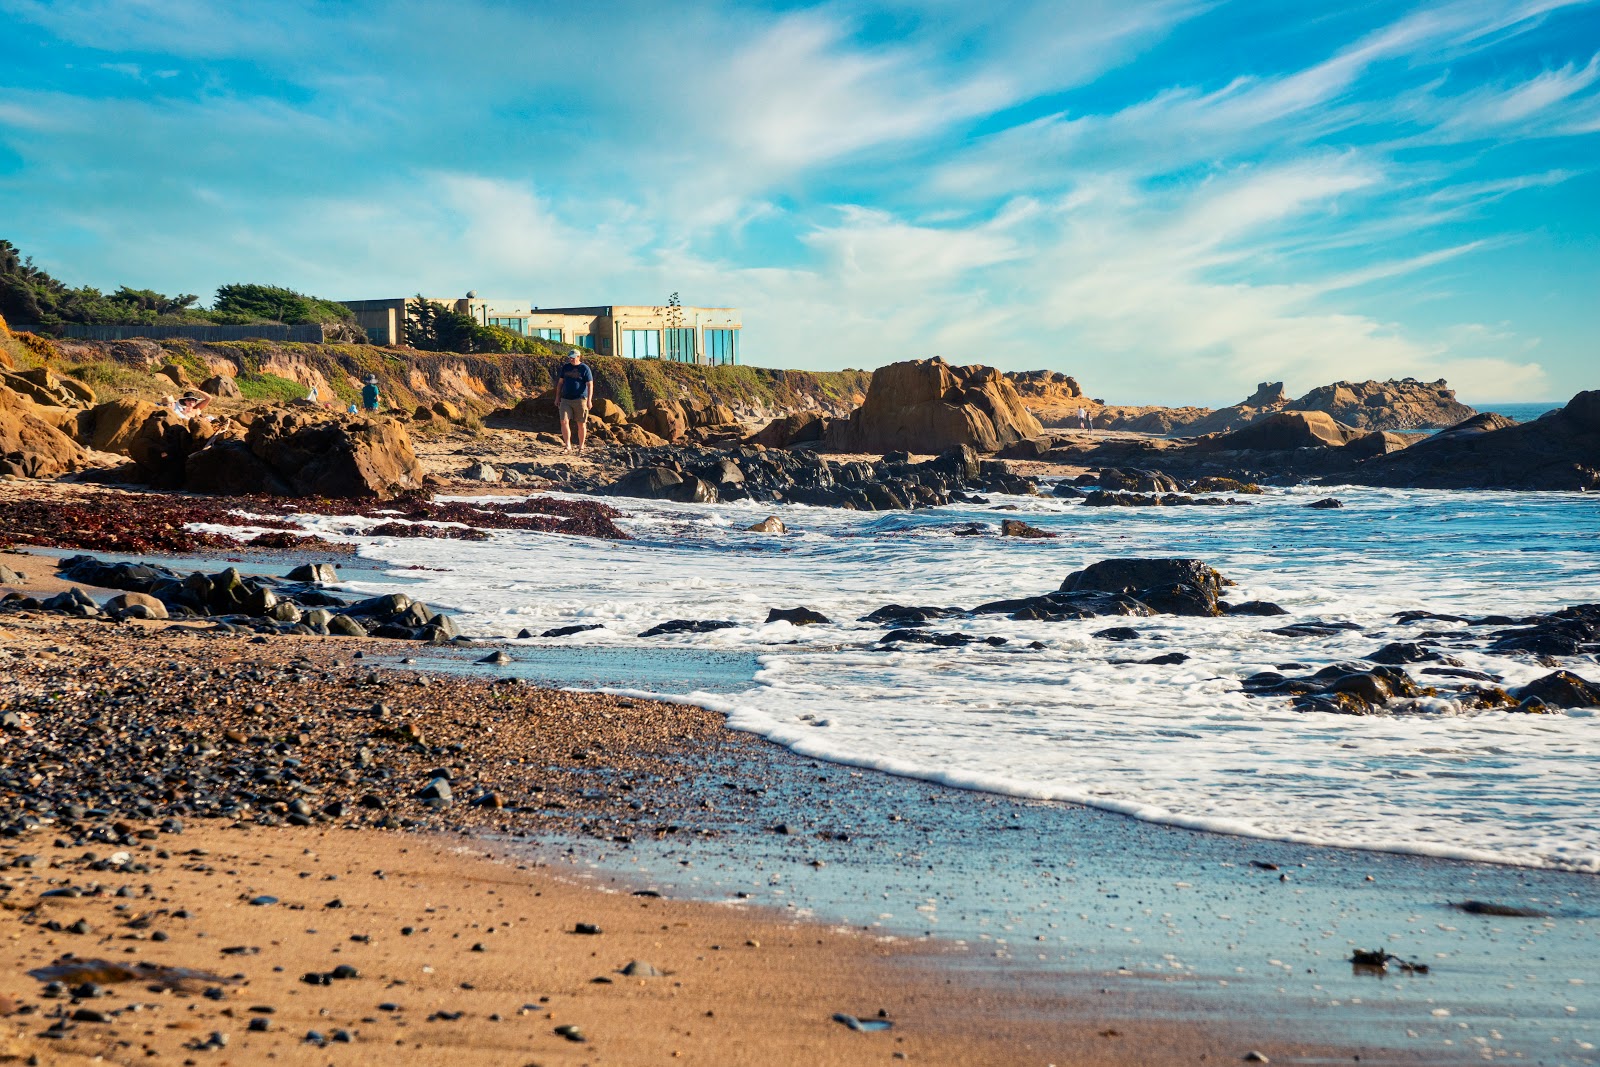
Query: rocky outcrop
{"points": [[929, 406], [30, 447], [789, 430], [43, 387], [1560, 451], [805, 477], [221, 385], [281, 453], [296, 605], [333, 457], [1282, 432], [112, 426], [1046, 386], [1404, 404]]}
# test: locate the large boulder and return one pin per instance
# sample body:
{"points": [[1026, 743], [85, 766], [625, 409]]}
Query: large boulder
{"points": [[665, 419], [788, 430], [1166, 586], [929, 405], [1560, 451], [340, 457], [228, 467], [29, 446], [110, 427], [1282, 432], [162, 445], [221, 385]]}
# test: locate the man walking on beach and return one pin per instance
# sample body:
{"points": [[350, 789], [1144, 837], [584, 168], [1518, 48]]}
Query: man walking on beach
{"points": [[1083, 416], [574, 393]]}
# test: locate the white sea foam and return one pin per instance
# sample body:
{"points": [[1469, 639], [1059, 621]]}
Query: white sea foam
{"points": [[1177, 744]]}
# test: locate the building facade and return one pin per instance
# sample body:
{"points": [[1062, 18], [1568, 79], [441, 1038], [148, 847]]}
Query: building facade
{"points": [[708, 336]]}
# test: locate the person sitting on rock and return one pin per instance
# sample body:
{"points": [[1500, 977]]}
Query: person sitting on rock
{"points": [[190, 404], [574, 393], [370, 396]]}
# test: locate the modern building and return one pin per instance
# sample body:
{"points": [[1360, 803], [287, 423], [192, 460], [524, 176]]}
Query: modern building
{"points": [[682, 334]]}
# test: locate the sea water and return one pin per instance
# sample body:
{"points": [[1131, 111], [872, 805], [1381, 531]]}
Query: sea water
{"points": [[1080, 720]]}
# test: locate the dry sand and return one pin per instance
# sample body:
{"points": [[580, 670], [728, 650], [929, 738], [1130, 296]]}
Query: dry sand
{"points": [[494, 941]]}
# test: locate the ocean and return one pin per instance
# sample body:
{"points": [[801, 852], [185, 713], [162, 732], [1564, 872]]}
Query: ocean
{"points": [[1076, 720], [1521, 411]]}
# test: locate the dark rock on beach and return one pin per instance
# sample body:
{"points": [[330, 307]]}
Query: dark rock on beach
{"points": [[801, 476], [688, 626], [256, 602], [801, 616]]}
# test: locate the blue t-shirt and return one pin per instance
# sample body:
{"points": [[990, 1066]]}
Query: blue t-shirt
{"points": [[369, 396], [574, 379]]}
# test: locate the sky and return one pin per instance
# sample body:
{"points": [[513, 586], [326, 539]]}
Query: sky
{"points": [[1171, 200]]}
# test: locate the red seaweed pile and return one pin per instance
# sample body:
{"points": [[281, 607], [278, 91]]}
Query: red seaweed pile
{"points": [[580, 518], [139, 523], [98, 521]]}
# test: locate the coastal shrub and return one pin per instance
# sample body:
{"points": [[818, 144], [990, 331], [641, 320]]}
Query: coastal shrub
{"points": [[612, 380], [263, 386], [110, 379], [245, 303]]}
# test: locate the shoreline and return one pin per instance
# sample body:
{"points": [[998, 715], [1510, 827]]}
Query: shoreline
{"points": [[677, 802]]}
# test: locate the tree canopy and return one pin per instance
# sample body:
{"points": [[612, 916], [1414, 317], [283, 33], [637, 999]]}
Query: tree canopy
{"points": [[434, 327], [31, 296]]}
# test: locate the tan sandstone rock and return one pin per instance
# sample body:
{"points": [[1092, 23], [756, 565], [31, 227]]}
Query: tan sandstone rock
{"points": [[929, 406], [31, 447]]}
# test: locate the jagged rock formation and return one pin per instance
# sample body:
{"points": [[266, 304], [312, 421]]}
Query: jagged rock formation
{"points": [[1047, 386], [1404, 404], [929, 406], [289, 453]]}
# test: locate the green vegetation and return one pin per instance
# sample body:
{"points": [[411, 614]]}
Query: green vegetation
{"points": [[433, 327], [269, 387], [242, 304], [30, 295]]}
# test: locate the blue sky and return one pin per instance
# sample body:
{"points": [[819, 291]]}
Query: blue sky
{"points": [[1171, 200]]}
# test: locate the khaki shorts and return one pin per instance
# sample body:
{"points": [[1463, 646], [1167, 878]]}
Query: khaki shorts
{"points": [[575, 410]]}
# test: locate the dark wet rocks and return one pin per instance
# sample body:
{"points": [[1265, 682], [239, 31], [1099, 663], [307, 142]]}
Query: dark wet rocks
{"points": [[1018, 528], [1117, 633], [688, 626], [1410, 652], [259, 603], [944, 640], [1325, 504], [909, 615], [802, 476], [566, 631], [800, 616], [1560, 689]]}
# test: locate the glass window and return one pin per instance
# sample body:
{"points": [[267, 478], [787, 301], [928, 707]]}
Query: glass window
{"points": [[585, 340], [552, 333], [641, 344], [722, 347], [678, 344], [514, 325]]}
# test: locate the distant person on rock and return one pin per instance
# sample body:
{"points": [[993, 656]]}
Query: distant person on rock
{"points": [[370, 396], [191, 404], [1083, 417], [574, 393]]}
